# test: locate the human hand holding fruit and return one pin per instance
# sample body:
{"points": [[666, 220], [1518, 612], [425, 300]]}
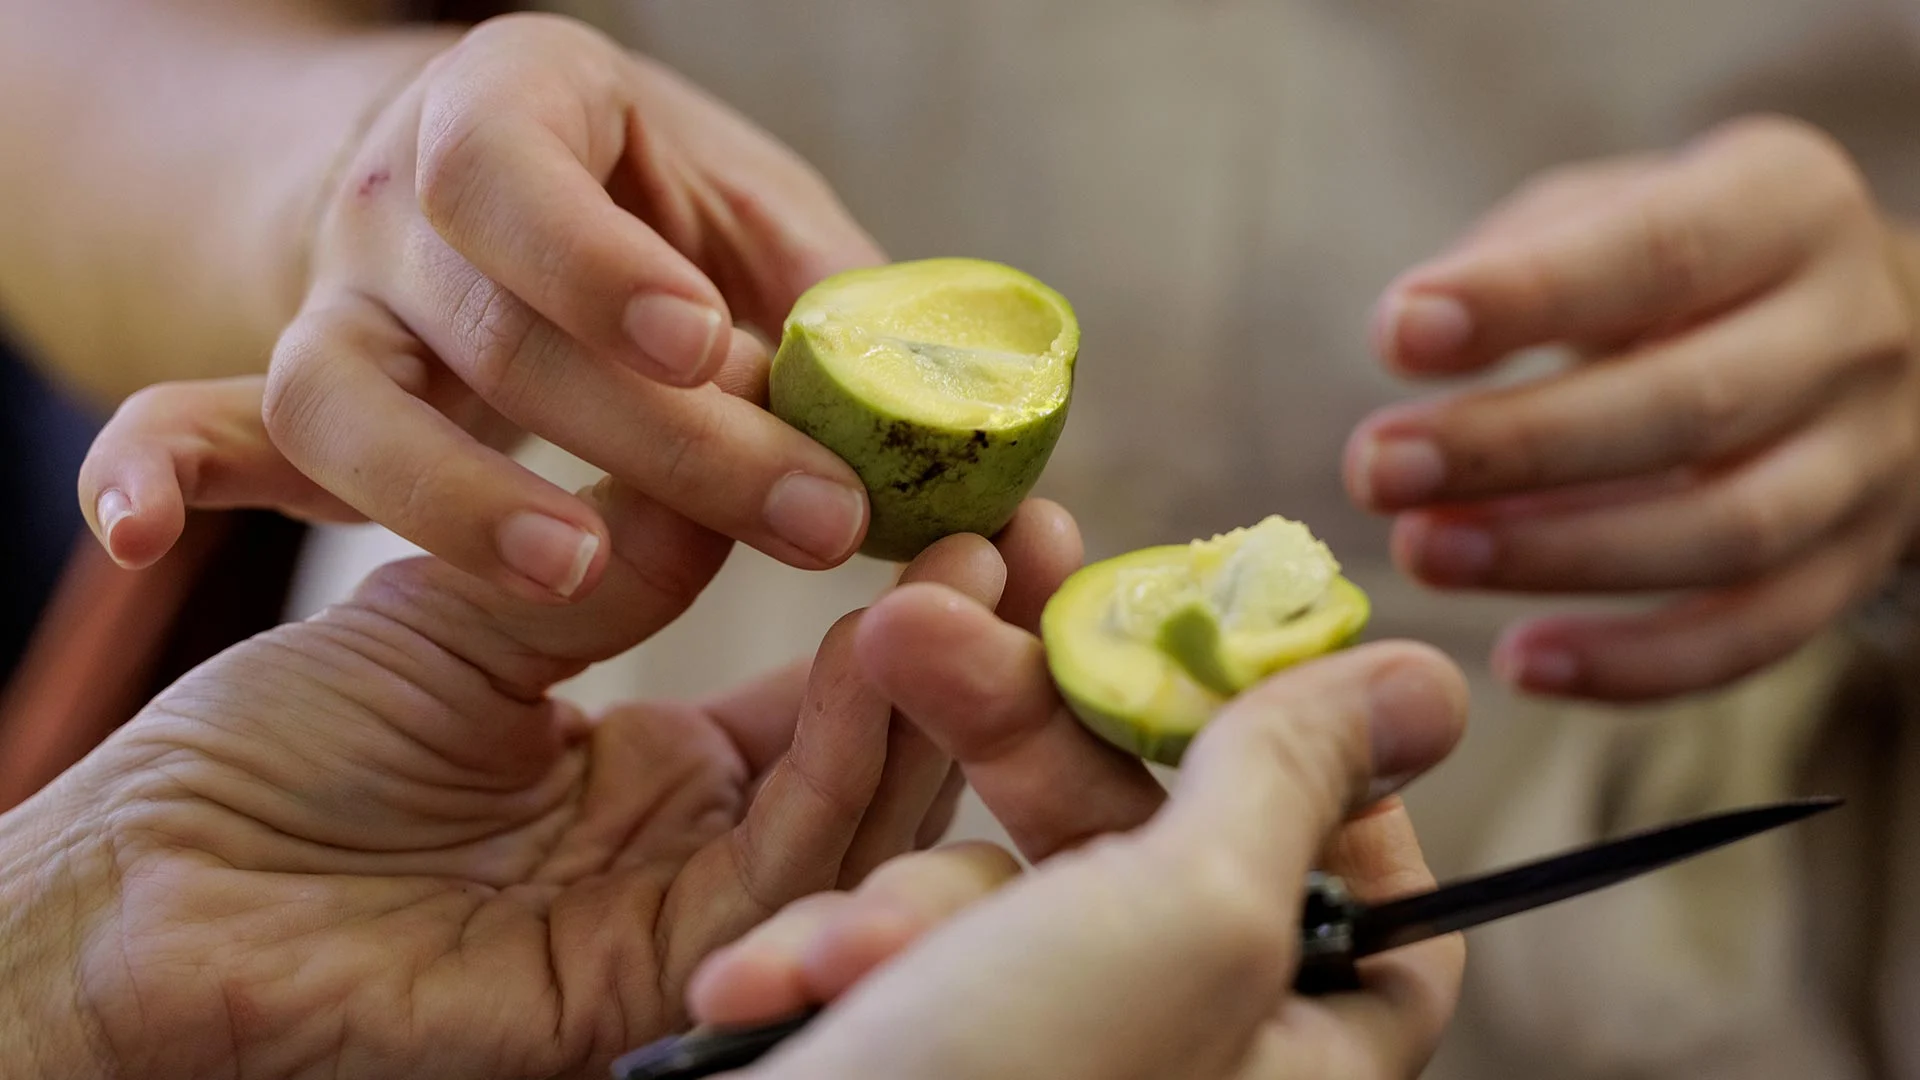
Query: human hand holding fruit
{"points": [[371, 841], [1744, 427], [543, 232], [1164, 946]]}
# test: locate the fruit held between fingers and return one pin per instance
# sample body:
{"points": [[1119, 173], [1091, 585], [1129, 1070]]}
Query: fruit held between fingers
{"points": [[1146, 647], [943, 382]]}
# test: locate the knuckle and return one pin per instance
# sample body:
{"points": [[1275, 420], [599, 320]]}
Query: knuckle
{"points": [[1755, 532], [678, 583], [560, 258], [493, 329], [1516, 454], [1901, 448], [1824, 173], [1308, 746], [149, 404], [1555, 181], [1244, 929], [1705, 411], [1883, 329], [1775, 134], [294, 396], [449, 176], [1678, 252], [415, 495], [687, 447]]}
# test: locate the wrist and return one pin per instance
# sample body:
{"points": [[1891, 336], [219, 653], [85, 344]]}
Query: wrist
{"points": [[52, 881]]}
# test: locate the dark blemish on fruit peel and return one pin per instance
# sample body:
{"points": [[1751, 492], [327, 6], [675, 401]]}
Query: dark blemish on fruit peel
{"points": [[898, 435], [375, 180]]}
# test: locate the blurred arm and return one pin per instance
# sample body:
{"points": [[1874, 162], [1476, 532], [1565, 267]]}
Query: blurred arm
{"points": [[159, 164]]}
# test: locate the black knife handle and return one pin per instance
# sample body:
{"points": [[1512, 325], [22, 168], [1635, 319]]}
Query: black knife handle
{"points": [[707, 1051], [1326, 967]]}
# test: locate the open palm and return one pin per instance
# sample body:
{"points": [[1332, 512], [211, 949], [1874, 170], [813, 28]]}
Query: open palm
{"points": [[391, 853]]}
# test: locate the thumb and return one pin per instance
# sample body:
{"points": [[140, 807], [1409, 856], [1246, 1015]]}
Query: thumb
{"points": [[1282, 766], [195, 445], [1161, 953], [658, 564]]}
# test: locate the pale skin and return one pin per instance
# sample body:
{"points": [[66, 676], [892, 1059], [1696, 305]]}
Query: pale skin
{"points": [[369, 845], [1754, 423], [441, 241], [1743, 426]]}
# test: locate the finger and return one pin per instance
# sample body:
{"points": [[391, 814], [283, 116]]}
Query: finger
{"points": [[765, 226], [1201, 907], [722, 461], [656, 563], [980, 689], [836, 780], [1391, 1028], [1727, 527], [1041, 546], [520, 130], [1725, 387], [338, 405], [915, 773], [760, 977], [176, 446], [1554, 196], [946, 806], [1723, 221], [1308, 747], [748, 363], [759, 715], [1378, 855], [1703, 641], [821, 946]]}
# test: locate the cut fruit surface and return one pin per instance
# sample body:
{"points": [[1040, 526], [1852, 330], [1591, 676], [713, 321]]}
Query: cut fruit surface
{"points": [[943, 382], [1146, 647]]}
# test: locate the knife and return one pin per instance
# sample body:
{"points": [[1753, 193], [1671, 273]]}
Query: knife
{"points": [[1335, 929]]}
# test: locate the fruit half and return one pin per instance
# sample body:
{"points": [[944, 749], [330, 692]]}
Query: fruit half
{"points": [[1147, 646], [943, 382]]}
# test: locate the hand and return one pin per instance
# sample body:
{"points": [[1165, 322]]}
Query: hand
{"points": [[1165, 946], [546, 233], [1744, 428], [370, 845]]}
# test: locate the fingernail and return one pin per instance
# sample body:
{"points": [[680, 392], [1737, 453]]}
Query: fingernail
{"points": [[552, 552], [112, 508], [1397, 472], [817, 516], [1545, 670], [675, 334], [1422, 329], [1411, 721], [1456, 554]]}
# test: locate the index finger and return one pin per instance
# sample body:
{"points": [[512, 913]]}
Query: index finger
{"points": [[522, 125], [980, 689], [1734, 215]]}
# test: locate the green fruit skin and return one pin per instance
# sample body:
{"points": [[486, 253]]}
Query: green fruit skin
{"points": [[1164, 743], [923, 482], [1161, 748]]}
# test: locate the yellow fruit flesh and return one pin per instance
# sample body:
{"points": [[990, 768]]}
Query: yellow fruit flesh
{"points": [[949, 342], [1147, 646]]}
